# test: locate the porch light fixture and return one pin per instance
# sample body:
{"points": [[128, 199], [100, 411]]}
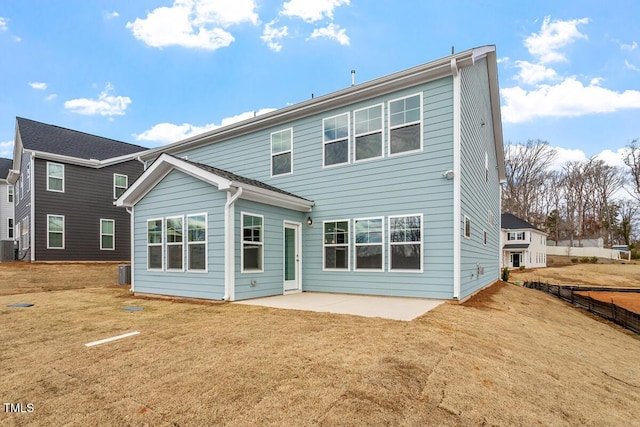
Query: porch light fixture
{"points": [[448, 174], [309, 221]]}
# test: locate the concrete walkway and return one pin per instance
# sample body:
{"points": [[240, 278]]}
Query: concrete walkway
{"points": [[394, 308]]}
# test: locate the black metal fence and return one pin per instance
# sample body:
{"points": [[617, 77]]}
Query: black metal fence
{"points": [[607, 310]]}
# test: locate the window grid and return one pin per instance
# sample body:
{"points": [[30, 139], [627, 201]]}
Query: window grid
{"points": [[55, 177], [252, 255], [405, 242], [10, 194], [335, 140], [282, 152], [405, 125], [155, 249], [369, 241], [10, 228], [55, 232], [174, 236], [335, 245], [368, 130], [107, 234], [197, 259], [120, 184]]}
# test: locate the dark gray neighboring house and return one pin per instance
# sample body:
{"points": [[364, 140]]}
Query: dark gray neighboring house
{"points": [[65, 184]]}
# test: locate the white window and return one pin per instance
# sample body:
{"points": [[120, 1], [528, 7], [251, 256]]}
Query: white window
{"points": [[252, 243], [197, 242], [55, 177], [174, 232], [282, 152], [515, 235], [10, 194], [107, 234], [55, 232], [120, 184], [335, 140], [486, 167], [24, 233], [10, 228], [405, 243], [21, 188], [405, 124], [17, 189], [154, 244], [368, 133], [369, 243], [335, 252], [484, 237], [467, 227]]}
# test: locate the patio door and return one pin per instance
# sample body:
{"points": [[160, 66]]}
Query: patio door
{"points": [[292, 250]]}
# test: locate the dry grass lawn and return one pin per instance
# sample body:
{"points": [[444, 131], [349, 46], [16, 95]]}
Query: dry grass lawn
{"points": [[510, 356], [613, 275]]}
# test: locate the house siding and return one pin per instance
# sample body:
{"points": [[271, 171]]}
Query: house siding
{"points": [[22, 205], [181, 194], [403, 184], [6, 210], [87, 198], [479, 198]]}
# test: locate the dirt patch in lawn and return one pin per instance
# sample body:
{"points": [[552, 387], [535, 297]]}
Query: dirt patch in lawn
{"points": [[612, 275], [530, 360], [628, 300]]}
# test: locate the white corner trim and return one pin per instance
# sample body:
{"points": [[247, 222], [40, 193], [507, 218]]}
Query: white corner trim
{"points": [[457, 202], [229, 246]]}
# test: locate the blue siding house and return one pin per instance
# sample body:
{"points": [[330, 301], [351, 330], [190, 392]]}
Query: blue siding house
{"points": [[389, 187]]}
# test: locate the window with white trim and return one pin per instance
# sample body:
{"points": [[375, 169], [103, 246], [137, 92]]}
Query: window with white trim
{"points": [[55, 177], [467, 227], [368, 132], [10, 228], [197, 242], [10, 194], [516, 235], [336, 245], [486, 167], [282, 152], [405, 243], [107, 234], [154, 244], [55, 231], [405, 124], [252, 243], [369, 243], [21, 188], [24, 233], [174, 232], [120, 184], [17, 190], [335, 140]]}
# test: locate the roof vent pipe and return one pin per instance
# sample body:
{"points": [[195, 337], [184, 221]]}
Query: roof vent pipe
{"points": [[353, 77]]}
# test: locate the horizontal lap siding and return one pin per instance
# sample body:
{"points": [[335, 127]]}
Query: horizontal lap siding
{"points": [[478, 196], [271, 280], [405, 184], [6, 210], [22, 205], [181, 194]]}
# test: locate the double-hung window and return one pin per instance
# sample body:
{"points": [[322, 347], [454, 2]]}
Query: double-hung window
{"points": [[25, 239], [369, 245], [467, 227], [197, 242], [174, 232], [405, 124], [282, 152], [252, 243], [120, 184], [10, 194], [55, 177], [515, 235], [107, 234], [154, 244], [55, 232], [336, 245], [405, 243], [335, 140], [10, 228], [368, 132]]}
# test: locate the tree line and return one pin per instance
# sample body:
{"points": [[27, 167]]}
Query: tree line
{"points": [[576, 200]]}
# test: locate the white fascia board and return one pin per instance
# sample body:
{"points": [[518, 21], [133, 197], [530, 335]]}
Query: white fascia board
{"points": [[92, 163], [269, 197]]}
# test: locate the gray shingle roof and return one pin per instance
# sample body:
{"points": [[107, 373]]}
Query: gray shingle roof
{"points": [[237, 178], [67, 142], [5, 166], [512, 222]]}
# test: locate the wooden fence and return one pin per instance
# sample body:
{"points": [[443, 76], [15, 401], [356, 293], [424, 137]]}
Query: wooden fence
{"points": [[615, 313]]}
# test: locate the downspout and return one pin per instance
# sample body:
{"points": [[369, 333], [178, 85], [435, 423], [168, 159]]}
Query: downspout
{"points": [[132, 244], [457, 201], [229, 247]]}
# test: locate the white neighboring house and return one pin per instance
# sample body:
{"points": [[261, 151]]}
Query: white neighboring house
{"points": [[6, 212], [522, 243]]}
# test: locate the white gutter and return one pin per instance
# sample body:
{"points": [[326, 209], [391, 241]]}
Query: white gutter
{"points": [[229, 246], [132, 243], [457, 201]]}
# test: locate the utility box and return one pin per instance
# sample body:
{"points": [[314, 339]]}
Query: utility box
{"points": [[124, 274], [7, 250]]}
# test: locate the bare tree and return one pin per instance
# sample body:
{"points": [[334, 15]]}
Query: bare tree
{"points": [[632, 160], [604, 181]]}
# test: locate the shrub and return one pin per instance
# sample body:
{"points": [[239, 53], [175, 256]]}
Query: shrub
{"points": [[594, 260], [505, 274], [522, 267], [585, 260], [574, 260]]}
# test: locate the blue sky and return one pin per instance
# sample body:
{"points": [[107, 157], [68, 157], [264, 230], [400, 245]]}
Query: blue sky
{"points": [[152, 72]]}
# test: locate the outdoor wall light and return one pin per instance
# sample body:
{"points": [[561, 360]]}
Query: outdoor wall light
{"points": [[309, 222], [448, 174]]}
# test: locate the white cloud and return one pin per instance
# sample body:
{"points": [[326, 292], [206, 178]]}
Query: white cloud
{"points": [[110, 15], [272, 36], [38, 85], [553, 36], [570, 98], [165, 133], [504, 59], [331, 31], [311, 10], [534, 73], [629, 47], [613, 158], [51, 97], [630, 66], [3, 24], [6, 149], [105, 105], [194, 23]]}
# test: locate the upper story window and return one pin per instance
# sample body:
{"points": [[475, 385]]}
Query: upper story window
{"points": [[10, 194], [336, 245], [405, 124], [335, 140], [282, 152], [10, 228], [120, 184], [368, 132], [55, 177], [516, 235], [252, 243]]}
